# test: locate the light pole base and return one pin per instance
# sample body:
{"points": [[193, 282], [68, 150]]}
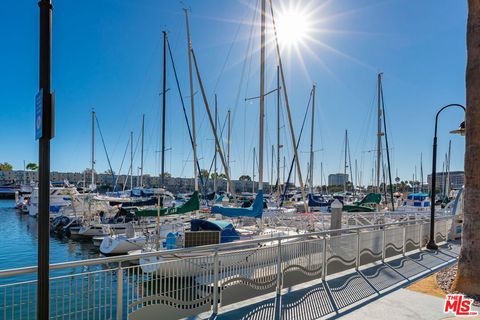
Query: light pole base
{"points": [[431, 245]]}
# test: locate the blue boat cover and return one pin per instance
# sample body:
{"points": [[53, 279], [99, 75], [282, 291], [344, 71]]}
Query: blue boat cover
{"points": [[316, 201], [417, 196], [227, 230], [255, 210]]}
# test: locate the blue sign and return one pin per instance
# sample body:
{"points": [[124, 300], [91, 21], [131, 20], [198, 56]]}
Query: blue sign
{"points": [[38, 114]]}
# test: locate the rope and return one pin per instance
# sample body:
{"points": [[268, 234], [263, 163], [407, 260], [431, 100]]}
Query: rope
{"points": [[106, 153], [121, 165], [386, 146], [298, 142], [183, 107]]}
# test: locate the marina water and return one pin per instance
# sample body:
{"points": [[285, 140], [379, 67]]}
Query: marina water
{"points": [[19, 241]]}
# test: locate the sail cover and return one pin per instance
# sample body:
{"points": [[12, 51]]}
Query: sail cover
{"points": [[227, 230], [371, 198], [191, 205], [316, 201], [255, 210]]}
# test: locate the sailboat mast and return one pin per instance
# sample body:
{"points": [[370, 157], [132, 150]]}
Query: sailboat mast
{"points": [[287, 106], [310, 183], [421, 172], [131, 160], [271, 169], [278, 129], [192, 101], [345, 165], [141, 158], [210, 119], [352, 178], [164, 94], [321, 177], [93, 150], [253, 172], [379, 131], [356, 181], [262, 98], [388, 150], [215, 157], [228, 151]]}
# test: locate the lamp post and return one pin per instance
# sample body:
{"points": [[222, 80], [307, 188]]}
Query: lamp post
{"points": [[431, 243]]}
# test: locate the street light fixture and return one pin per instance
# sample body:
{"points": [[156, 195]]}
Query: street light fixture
{"points": [[431, 243], [460, 130]]}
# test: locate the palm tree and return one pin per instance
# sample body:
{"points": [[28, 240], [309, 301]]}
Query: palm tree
{"points": [[245, 178], [32, 166], [5, 166], [468, 275], [204, 173]]}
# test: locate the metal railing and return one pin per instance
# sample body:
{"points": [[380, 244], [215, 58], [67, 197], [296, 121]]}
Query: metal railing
{"points": [[183, 282]]}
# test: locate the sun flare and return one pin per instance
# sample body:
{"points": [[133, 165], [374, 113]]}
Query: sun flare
{"points": [[293, 27]]}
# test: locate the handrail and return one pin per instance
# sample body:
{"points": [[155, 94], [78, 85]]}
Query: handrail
{"points": [[125, 258]]}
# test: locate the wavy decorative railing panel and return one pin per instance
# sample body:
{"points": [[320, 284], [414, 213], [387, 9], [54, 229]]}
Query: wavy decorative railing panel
{"points": [[341, 253], [371, 246], [246, 274], [302, 261], [393, 241]]}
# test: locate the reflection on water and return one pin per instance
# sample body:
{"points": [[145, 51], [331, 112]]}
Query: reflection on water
{"points": [[19, 241]]}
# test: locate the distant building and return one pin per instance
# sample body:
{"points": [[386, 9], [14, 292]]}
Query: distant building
{"points": [[105, 181], [337, 179], [457, 179]]}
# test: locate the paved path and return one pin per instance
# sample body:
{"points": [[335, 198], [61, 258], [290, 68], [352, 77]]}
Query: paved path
{"points": [[373, 292], [402, 304]]}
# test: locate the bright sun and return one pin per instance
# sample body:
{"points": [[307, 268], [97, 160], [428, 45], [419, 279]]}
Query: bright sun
{"points": [[293, 27]]}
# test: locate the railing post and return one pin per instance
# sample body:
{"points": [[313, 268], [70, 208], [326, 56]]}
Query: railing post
{"points": [[279, 267], [420, 241], [404, 239], [384, 249], [216, 272], [357, 259], [324, 258], [119, 292], [278, 304], [446, 229]]}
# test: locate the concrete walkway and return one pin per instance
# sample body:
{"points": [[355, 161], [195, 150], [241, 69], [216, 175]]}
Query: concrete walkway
{"points": [[373, 292], [402, 304]]}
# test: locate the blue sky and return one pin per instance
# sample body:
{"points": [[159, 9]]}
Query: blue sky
{"points": [[107, 55]]}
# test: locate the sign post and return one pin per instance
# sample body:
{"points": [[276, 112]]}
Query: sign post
{"points": [[43, 133]]}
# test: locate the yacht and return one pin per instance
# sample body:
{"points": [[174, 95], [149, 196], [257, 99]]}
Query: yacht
{"points": [[59, 197]]}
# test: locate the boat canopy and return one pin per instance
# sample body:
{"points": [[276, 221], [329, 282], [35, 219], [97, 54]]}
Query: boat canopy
{"points": [[255, 210], [191, 205], [371, 198], [227, 230], [417, 196], [316, 201]]}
